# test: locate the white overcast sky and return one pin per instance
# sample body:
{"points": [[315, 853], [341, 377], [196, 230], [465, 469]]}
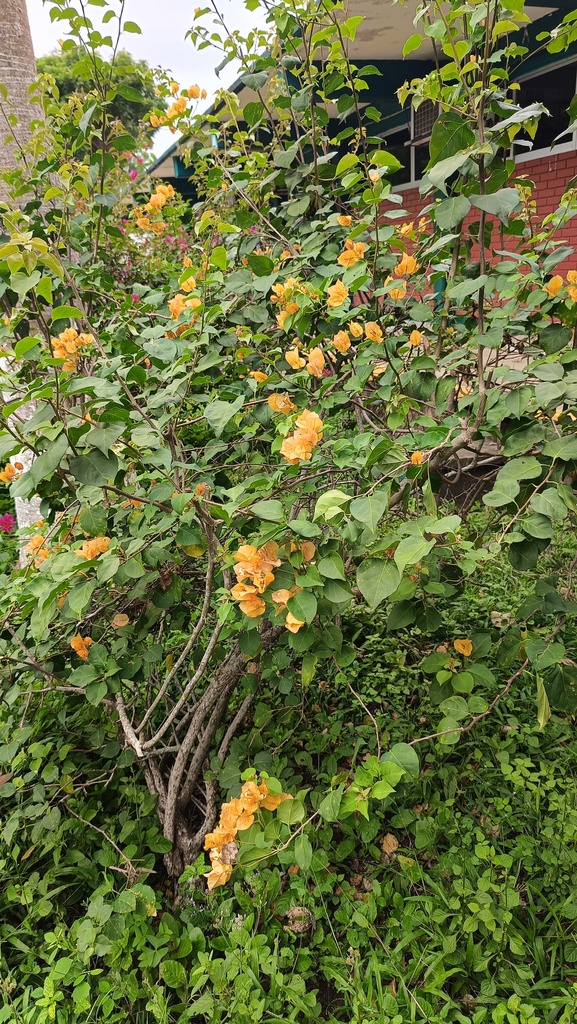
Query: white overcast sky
{"points": [[162, 43]]}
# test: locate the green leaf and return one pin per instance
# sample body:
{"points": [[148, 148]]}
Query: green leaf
{"points": [[450, 135], [346, 162], [543, 707], [377, 579], [303, 852], [94, 468], [404, 757], [554, 337], [219, 258], [291, 812], [308, 668], [412, 43], [272, 511], [370, 510], [411, 550], [219, 413], [332, 566], [67, 312], [96, 692], [303, 606], [549, 504], [93, 521], [173, 973], [463, 289], [501, 203], [329, 504], [330, 804], [79, 597], [255, 81], [451, 212], [104, 437], [303, 528], [131, 26], [564, 448]]}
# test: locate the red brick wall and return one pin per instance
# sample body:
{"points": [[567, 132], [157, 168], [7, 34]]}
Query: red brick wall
{"points": [[550, 175]]}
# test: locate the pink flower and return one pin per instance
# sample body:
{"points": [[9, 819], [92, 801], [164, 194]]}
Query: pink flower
{"points": [[133, 175], [135, 297], [7, 523]]}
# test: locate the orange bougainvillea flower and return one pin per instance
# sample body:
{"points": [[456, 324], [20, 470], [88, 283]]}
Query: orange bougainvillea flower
{"points": [[281, 597], [572, 277], [8, 474], [308, 550], [356, 329], [338, 293], [220, 873], [80, 644], [242, 590], [464, 647], [398, 293], [230, 813], [294, 359], [310, 421], [297, 449], [252, 606], [554, 286], [292, 623], [281, 403], [194, 92], [251, 796], [342, 342], [406, 266], [406, 229], [93, 547], [316, 362], [572, 292], [352, 253], [374, 177], [220, 836], [415, 338], [254, 564], [259, 376], [373, 331], [344, 220], [189, 284], [417, 459]]}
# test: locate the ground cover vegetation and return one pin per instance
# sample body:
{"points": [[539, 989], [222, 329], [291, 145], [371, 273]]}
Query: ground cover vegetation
{"points": [[287, 735]]}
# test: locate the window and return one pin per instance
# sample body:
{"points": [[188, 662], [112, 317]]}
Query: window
{"points": [[555, 89]]}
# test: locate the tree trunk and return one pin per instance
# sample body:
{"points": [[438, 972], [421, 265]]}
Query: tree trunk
{"points": [[17, 72]]}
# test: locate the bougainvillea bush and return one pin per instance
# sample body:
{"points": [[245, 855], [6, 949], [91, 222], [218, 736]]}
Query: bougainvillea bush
{"points": [[236, 454]]}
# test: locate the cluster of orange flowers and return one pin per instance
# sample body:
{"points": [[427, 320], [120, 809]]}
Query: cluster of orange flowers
{"points": [[256, 565], [236, 816], [66, 346], [9, 474], [281, 403], [93, 547], [80, 645], [408, 228], [194, 92], [158, 199], [338, 294], [352, 253], [299, 446], [37, 549], [179, 303], [284, 295], [554, 286]]}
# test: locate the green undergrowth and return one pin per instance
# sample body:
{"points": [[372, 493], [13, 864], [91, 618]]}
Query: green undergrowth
{"points": [[455, 901]]}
